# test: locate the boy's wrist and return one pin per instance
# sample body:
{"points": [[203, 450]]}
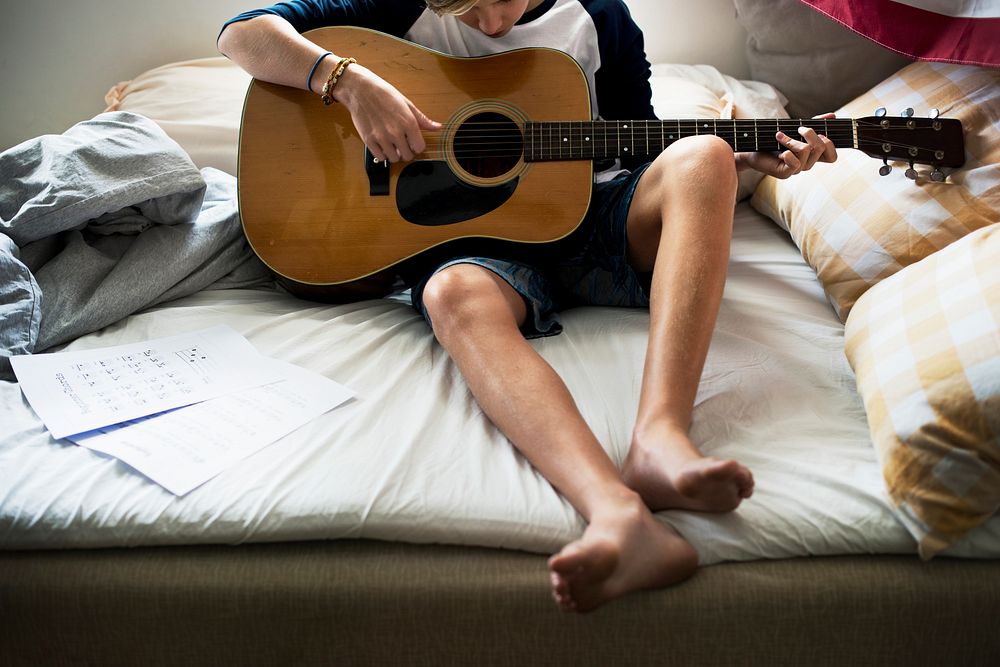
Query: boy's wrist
{"points": [[347, 84]]}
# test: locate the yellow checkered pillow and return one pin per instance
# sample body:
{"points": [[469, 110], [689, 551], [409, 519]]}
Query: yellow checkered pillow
{"points": [[856, 228], [925, 345]]}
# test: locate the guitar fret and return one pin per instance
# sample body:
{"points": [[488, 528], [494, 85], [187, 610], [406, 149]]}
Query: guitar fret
{"points": [[770, 142]]}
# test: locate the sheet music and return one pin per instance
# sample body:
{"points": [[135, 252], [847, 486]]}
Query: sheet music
{"points": [[78, 391], [184, 448]]}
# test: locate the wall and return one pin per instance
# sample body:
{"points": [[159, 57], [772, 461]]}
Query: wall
{"points": [[58, 57]]}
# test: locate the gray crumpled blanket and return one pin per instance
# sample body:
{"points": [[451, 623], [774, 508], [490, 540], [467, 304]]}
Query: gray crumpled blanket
{"points": [[104, 220]]}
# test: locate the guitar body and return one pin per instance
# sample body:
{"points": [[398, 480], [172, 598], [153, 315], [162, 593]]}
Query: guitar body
{"points": [[335, 225]]}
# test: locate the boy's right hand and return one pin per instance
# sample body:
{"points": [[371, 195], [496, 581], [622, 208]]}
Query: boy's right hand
{"points": [[389, 124]]}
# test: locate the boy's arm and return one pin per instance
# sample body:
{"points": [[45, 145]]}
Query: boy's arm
{"points": [[271, 49]]}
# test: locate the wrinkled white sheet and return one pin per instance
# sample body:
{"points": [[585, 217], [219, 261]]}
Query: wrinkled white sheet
{"points": [[414, 459]]}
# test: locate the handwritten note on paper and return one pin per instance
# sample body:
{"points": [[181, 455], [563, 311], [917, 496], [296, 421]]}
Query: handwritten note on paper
{"points": [[184, 448], [74, 392]]}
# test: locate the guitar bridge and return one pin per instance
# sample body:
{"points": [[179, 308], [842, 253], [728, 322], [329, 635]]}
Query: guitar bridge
{"points": [[378, 175]]}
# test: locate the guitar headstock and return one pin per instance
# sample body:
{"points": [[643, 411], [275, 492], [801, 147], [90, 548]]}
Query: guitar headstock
{"points": [[934, 141]]}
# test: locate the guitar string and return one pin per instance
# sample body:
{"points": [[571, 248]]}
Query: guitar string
{"points": [[487, 144], [787, 121], [515, 138], [490, 151]]}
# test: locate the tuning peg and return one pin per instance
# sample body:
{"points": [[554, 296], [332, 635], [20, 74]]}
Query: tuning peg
{"points": [[885, 169], [907, 112], [934, 113], [880, 112], [911, 173], [937, 175]]}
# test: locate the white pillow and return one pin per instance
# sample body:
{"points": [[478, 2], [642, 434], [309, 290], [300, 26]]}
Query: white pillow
{"points": [[702, 91]]}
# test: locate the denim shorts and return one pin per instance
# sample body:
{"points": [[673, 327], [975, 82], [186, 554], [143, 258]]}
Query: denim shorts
{"points": [[592, 270]]}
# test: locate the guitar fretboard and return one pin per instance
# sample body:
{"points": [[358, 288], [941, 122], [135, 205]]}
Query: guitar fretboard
{"points": [[588, 140]]}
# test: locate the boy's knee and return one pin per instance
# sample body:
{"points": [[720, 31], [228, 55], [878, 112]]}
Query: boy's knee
{"points": [[705, 159], [453, 292]]}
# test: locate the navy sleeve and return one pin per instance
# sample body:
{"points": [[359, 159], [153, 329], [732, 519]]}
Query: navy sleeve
{"points": [[389, 16], [622, 82]]}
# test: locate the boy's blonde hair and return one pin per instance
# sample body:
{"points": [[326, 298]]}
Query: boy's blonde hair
{"points": [[454, 7]]}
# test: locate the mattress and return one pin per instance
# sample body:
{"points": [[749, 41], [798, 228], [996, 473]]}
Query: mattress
{"points": [[412, 458]]}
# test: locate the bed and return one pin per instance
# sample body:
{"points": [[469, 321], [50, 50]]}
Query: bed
{"points": [[374, 535]]}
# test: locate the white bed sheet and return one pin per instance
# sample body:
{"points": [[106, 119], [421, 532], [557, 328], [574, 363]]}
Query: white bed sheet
{"points": [[414, 459]]}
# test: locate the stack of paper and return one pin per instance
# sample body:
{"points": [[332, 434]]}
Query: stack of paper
{"points": [[181, 409]]}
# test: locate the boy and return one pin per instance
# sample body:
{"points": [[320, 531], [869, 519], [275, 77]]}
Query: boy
{"points": [[655, 236]]}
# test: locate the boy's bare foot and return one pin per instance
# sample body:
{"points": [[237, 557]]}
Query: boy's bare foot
{"points": [[673, 474], [621, 551]]}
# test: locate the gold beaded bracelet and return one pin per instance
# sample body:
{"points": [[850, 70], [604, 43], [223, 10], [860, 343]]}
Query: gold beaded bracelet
{"points": [[334, 77]]}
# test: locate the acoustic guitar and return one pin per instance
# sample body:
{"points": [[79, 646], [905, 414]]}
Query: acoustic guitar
{"points": [[512, 166]]}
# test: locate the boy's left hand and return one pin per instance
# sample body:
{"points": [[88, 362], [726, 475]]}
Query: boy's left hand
{"points": [[798, 156]]}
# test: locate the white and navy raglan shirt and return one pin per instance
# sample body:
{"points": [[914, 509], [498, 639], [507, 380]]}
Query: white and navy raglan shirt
{"points": [[599, 34]]}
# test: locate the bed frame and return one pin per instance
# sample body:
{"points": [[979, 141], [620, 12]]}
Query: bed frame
{"points": [[361, 602]]}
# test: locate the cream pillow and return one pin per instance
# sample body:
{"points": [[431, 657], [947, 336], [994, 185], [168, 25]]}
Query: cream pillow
{"points": [[701, 91], [856, 228], [198, 103], [925, 345]]}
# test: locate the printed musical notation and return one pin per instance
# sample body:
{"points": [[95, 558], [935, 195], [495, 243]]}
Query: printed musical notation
{"points": [[120, 383], [78, 391]]}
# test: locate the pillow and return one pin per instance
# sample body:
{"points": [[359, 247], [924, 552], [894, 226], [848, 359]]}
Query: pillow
{"points": [[701, 91], [925, 345], [198, 103], [817, 63], [856, 228]]}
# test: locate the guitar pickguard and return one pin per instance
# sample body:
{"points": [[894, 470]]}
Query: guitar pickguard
{"points": [[429, 193]]}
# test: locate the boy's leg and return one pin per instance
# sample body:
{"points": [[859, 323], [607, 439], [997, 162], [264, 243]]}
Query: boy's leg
{"points": [[476, 316], [680, 227]]}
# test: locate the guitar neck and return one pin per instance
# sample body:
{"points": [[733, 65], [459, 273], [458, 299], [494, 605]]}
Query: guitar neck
{"points": [[602, 139]]}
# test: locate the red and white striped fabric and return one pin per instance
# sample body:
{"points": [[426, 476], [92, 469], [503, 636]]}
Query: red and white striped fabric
{"points": [[954, 31]]}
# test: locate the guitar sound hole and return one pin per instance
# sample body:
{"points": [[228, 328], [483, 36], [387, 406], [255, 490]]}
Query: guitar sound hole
{"points": [[488, 145]]}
